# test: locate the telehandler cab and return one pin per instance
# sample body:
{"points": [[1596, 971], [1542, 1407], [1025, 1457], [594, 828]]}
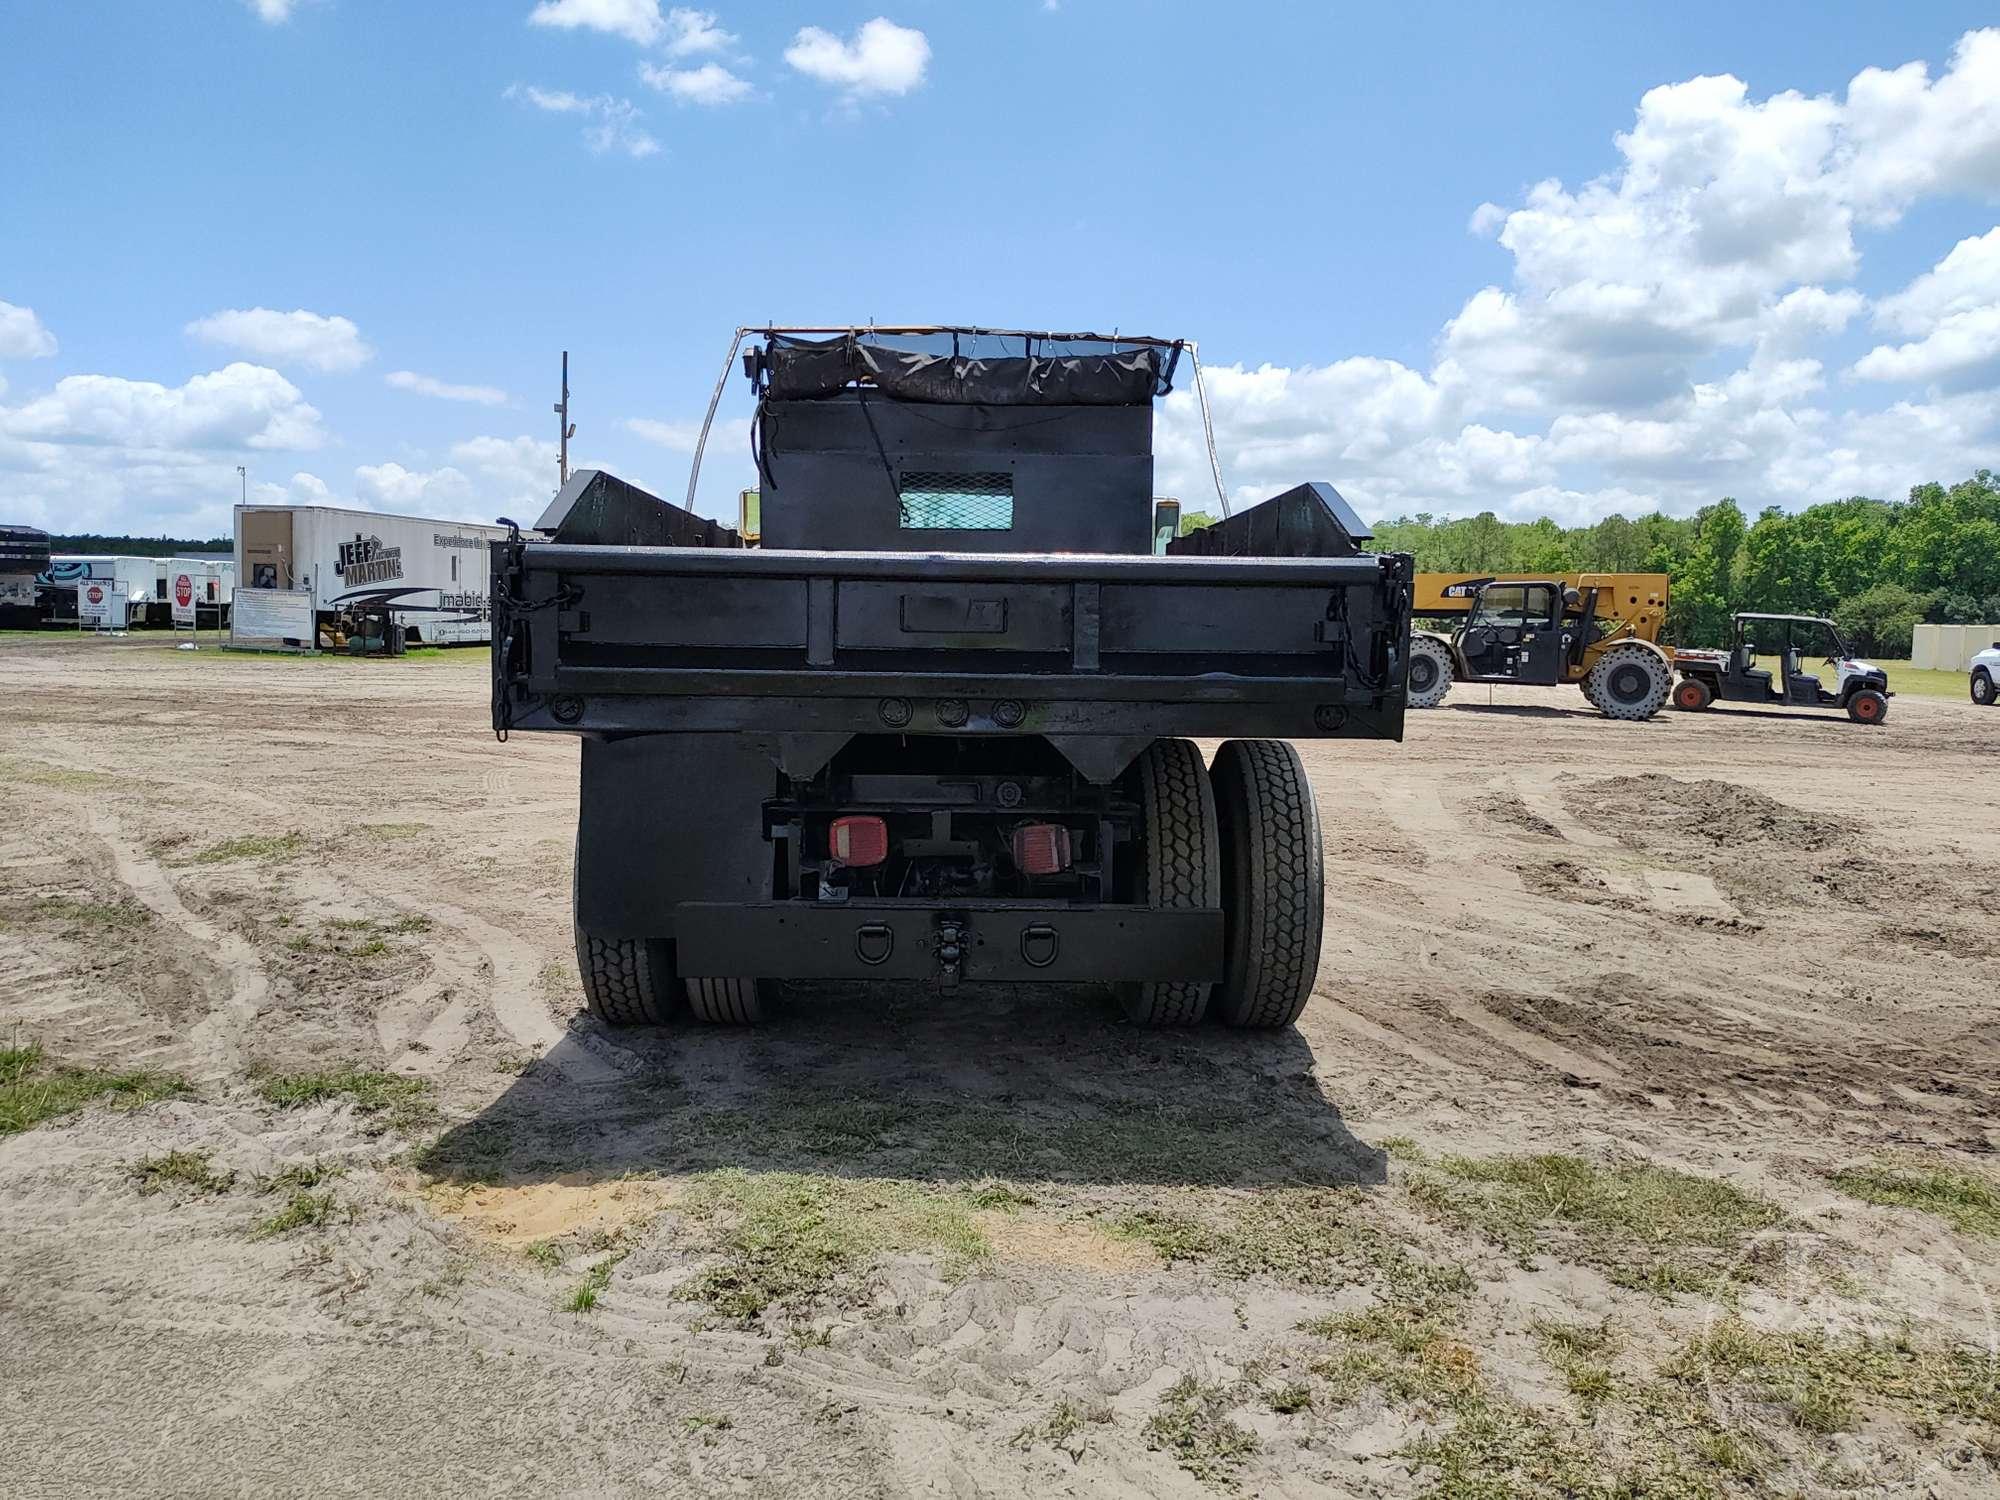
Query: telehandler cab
{"points": [[1597, 630], [1859, 687]]}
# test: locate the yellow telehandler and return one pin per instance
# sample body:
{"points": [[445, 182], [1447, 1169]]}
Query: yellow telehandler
{"points": [[1598, 630]]}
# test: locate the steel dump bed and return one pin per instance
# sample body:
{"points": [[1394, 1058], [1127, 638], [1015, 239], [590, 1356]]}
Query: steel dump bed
{"points": [[617, 639]]}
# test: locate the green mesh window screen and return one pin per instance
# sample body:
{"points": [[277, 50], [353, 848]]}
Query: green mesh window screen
{"points": [[956, 502]]}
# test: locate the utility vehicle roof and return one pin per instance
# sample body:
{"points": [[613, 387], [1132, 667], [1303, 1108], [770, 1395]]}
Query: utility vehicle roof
{"points": [[963, 365]]}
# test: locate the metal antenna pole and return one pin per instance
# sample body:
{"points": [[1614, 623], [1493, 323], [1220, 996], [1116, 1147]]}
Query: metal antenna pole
{"points": [[243, 478], [565, 428]]}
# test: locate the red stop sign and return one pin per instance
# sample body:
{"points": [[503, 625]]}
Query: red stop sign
{"points": [[96, 594], [183, 590]]}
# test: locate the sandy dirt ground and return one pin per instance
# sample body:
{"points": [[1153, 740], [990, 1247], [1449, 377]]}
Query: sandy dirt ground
{"points": [[1551, 1191]]}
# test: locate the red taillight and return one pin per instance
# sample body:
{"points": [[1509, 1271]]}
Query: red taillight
{"points": [[1041, 848], [858, 840]]}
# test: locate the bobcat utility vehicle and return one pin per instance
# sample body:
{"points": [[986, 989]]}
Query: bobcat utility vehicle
{"points": [[1780, 679], [939, 725]]}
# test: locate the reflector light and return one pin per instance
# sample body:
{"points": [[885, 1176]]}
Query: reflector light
{"points": [[858, 840], [1041, 848]]}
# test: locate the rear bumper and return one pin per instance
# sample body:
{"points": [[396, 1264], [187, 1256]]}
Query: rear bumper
{"points": [[997, 941]]}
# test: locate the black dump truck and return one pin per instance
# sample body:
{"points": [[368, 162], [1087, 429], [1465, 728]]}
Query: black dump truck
{"points": [[938, 726]]}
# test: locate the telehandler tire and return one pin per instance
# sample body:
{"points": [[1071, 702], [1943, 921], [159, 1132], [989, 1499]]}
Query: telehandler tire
{"points": [[726, 1002], [1430, 673], [1181, 867], [1867, 706], [626, 981], [1630, 682], [1273, 882]]}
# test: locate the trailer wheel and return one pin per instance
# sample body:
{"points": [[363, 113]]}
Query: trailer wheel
{"points": [[1692, 694], [1430, 672], [1273, 883], [1630, 682], [1867, 706], [1181, 867], [726, 1002]]}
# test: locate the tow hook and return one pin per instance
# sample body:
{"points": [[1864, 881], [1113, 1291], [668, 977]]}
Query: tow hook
{"points": [[950, 949]]}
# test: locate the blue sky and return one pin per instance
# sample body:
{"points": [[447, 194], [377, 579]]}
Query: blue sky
{"points": [[342, 243]]}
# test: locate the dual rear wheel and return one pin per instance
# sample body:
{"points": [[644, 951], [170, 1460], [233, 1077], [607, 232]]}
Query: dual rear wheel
{"points": [[1244, 836]]}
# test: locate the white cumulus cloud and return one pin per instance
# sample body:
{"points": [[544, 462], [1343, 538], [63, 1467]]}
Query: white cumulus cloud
{"points": [[612, 124], [331, 344], [692, 33], [273, 12], [427, 385], [881, 58], [239, 406], [23, 335], [710, 84], [635, 20], [485, 477]]}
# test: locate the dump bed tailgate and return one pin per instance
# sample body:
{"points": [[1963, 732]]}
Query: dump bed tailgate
{"points": [[615, 639]]}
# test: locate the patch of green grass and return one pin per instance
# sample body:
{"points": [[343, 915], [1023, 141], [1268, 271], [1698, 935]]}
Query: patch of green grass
{"points": [[301, 1211], [1296, 1396], [1821, 1381], [298, 1177], [389, 832], [60, 779], [91, 917], [1578, 1352], [786, 1237], [1646, 1227], [251, 846], [546, 1254], [1965, 1200], [185, 1169], [1925, 682], [1001, 1195], [405, 1103], [1192, 1424], [586, 1295], [707, 1421], [1307, 1236], [1063, 1426], [31, 1091]]}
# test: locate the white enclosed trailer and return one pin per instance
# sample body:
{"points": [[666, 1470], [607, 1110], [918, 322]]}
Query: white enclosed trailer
{"points": [[435, 576], [127, 579]]}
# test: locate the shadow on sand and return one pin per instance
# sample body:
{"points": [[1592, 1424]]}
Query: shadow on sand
{"points": [[1013, 1083]]}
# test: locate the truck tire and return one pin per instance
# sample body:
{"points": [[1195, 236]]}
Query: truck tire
{"points": [[626, 981], [1273, 882], [1867, 706], [1181, 867], [1630, 682], [1430, 672], [1692, 694], [726, 1002], [1982, 688]]}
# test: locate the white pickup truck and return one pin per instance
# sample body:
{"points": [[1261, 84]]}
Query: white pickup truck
{"points": [[1985, 669]]}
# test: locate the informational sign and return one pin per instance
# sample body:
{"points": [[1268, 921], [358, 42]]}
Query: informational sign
{"points": [[99, 606], [272, 617], [183, 590]]}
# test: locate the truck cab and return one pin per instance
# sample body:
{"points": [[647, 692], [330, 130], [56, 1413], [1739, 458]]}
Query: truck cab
{"points": [[938, 725]]}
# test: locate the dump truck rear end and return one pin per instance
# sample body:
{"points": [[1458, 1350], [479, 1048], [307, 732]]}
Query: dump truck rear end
{"points": [[939, 726]]}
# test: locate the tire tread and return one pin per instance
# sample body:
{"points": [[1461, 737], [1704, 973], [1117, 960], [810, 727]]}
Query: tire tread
{"points": [[1274, 884], [1182, 865]]}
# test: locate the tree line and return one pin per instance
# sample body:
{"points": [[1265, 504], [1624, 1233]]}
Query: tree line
{"points": [[1876, 567], [93, 544]]}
